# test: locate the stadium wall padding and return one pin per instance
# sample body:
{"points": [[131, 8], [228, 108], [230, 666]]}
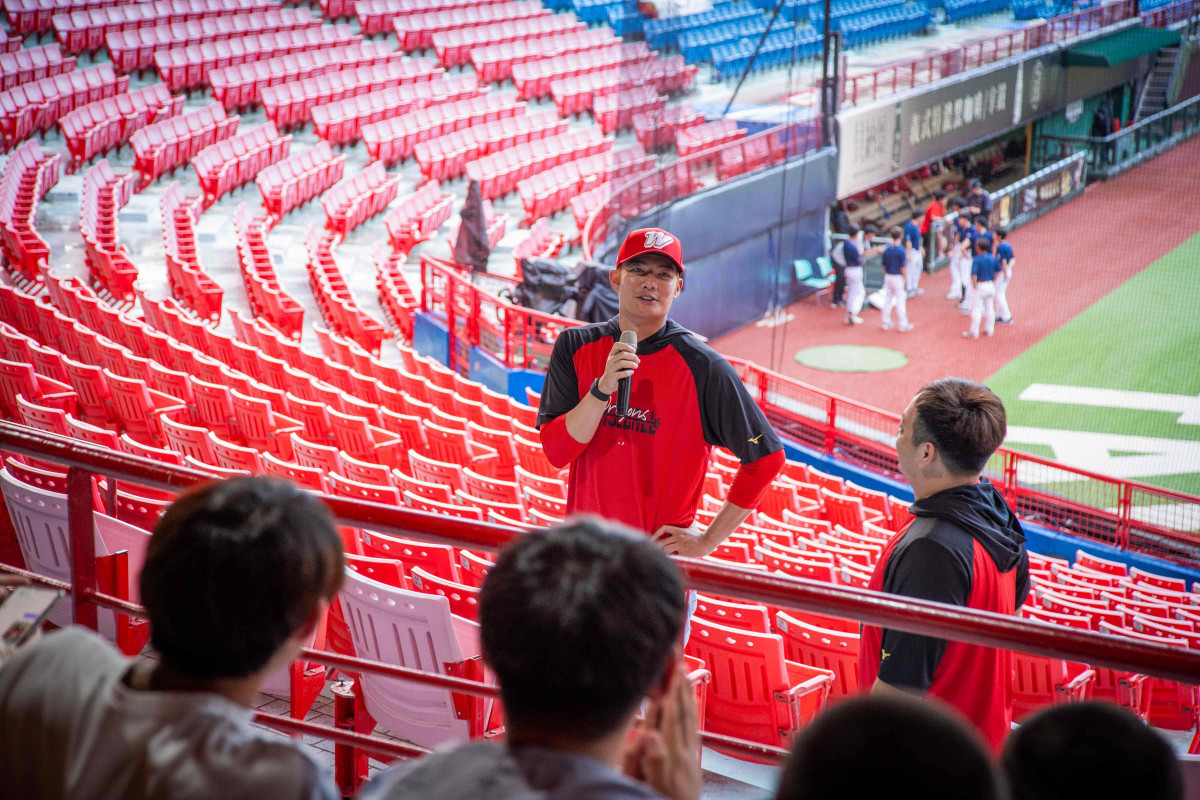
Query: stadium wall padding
{"points": [[740, 238]]}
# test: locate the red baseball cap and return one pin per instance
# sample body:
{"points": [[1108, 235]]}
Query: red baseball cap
{"points": [[651, 240]]}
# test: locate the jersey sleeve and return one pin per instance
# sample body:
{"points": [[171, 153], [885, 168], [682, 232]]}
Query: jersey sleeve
{"points": [[730, 417], [560, 394], [924, 570]]}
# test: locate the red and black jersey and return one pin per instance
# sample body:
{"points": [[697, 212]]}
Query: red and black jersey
{"points": [[647, 469], [965, 547]]}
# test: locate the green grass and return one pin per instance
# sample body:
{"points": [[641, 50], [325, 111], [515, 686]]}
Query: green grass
{"points": [[1143, 336]]}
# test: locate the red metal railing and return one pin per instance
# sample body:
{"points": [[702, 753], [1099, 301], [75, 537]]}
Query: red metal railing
{"points": [[686, 175], [84, 459], [519, 337], [1128, 514], [901, 75]]}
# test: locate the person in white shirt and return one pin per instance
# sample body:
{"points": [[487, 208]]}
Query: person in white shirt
{"points": [[237, 575]]}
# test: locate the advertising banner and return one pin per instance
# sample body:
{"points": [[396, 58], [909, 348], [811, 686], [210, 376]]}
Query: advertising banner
{"points": [[868, 150], [957, 115], [1032, 196]]}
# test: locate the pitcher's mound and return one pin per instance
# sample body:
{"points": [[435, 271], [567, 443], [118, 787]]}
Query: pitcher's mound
{"points": [[851, 358]]}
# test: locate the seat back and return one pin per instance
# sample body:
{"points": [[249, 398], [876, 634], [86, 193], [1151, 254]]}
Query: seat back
{"points": [[464, 599], [436, 559], [836, 651], [410, 629], [743, 616]]}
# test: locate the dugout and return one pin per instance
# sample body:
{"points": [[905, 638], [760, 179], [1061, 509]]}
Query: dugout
{"points": [[988, 123]]}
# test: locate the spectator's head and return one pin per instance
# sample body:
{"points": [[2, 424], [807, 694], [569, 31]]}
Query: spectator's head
{"points": [[237, 575], [853, 231], [1079, 751], [940, 195], [896, 234], [980, 223], [981, 245], [1002, 233], [886, 747], [580, 623], [958, 204], [947, 434]]}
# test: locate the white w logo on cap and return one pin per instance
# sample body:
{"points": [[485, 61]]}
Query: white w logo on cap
{"points": [[657, 239]]}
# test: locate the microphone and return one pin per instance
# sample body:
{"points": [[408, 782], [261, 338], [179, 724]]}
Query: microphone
{"points": [[627, 337]]}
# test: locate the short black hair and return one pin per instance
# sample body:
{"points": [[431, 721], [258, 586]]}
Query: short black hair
{"points": [[940, 194], [853, 230], [579, 622], [958, 202], [233, 570], [1002, 232], [895, 232], [1089, 749], [965, 420], [877, 746], [981, 219], [981, 245]]}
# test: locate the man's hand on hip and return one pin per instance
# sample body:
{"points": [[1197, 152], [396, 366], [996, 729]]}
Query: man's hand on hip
{"points": [[691, 541]]}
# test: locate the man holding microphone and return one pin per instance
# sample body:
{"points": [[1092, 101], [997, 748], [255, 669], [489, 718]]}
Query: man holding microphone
{"points": [[644, 466]]}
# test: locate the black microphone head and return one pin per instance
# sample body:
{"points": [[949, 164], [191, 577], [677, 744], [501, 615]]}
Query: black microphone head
{"points": [[629, 337]]}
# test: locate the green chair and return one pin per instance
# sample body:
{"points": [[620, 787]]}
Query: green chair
{"points": [[820, 283]]}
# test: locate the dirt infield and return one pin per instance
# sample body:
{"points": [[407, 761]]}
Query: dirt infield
{"points": [[1065, 262]]}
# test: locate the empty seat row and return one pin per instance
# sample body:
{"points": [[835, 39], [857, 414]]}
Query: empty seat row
{"points": [[448, 154], [418, 216], [965, 9], [294, 181], [266, 298], [540, 243], [454, 46], [134, 50], [664, 32], [28, 174], [94, 129], [396, 140], [104, 195], [291, 104], [345, 121], [878, 25], [231, 163], [499, 173], [32, 64], [36, 16], [616, 111], [758, 151], [396, 296], [354, 200], [575, 95], [35, 107], [550, 192], [165, 146], [533, 78], [416, 31], [494, 62], [697, 45], [189, 283], [191, 66], [587, 202], [376, 16], [659, 129], [704, 137], [779, 47], [85, 29], [334, 300]]}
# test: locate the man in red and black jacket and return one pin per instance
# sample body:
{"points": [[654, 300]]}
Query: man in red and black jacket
{"points": [[965, 547], [646, 469]]}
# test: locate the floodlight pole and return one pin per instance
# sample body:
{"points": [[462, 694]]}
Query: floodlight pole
{"points": [[830, 55]]}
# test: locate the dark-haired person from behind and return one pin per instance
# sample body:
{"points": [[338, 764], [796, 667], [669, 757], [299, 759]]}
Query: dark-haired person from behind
{"points": [[893, 747], [580, 623], [965, 547], [1090, 750], [237, 575]]}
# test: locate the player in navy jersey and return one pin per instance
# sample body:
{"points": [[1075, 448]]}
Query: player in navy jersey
{"points": [[915, 257], [960, 257], [984, 268], [895, 263], [1004, 254]]}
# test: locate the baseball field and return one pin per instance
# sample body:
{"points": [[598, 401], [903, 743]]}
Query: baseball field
{"points": [[1116, 389]]}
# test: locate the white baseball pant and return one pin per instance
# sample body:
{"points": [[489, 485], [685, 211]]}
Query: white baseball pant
{"points": [[1002, 309], [984, 305], [894, 296], [915, 265], [856, 293]]}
